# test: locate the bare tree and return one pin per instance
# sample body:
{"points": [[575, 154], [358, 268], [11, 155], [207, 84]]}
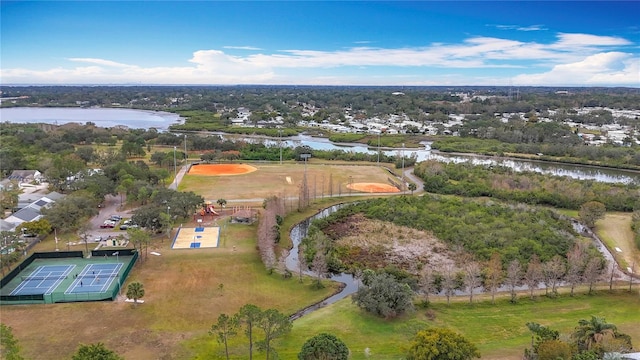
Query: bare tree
{"points": [[267, 235], [513, 278], [494, 275], [471, 277], [553, 271], [612, 272], [319, 262], [427, 282], [592, 271], [575, 263], [533, 275], [448, 282]]}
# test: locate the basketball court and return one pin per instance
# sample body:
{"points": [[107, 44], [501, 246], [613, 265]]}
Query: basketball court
{"points": [[196, 238]]}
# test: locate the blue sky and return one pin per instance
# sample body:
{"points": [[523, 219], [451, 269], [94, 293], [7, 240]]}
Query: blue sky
{"points": [[555, 43]]}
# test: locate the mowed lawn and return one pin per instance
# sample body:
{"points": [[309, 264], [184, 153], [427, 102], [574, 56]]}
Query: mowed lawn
{"points": [[284, 180], [498, 330]]}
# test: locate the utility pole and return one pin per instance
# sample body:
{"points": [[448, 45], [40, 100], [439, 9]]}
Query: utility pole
{"points": [[379, 147], [185, 149], [280, 144], [403, 183]]}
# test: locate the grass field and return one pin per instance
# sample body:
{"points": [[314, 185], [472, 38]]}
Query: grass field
{"points": [[282, 180], [615, 231], [498, 330]]}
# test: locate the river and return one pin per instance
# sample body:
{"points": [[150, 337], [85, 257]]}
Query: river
{"points": [[109, 117], [297, 234], [581, 172]]}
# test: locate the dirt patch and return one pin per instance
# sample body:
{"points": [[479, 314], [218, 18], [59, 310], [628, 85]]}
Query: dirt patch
{"points": [[373, 187], [375, 244], [221, 169]]}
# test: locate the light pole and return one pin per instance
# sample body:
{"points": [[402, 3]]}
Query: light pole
{"points": [[175, 171], [350, 184], [280, 144], [379, 147], [185, 149], [403, 183], [304, 181]]}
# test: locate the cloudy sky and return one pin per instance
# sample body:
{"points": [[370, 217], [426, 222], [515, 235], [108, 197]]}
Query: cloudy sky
{"points": [[557, 43]]}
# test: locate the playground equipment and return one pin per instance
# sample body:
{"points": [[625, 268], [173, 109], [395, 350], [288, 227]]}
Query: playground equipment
{"points": [[207, 210]]}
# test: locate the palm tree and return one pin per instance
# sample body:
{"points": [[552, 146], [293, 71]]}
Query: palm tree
{"points": [[222, 202], [591, 332], [135, 291]]}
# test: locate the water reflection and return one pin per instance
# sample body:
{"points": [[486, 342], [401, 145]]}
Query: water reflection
{"points": [[582, 172]]}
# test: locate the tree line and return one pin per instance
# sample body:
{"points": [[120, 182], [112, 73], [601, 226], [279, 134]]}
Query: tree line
{"points": [[503, 183]]}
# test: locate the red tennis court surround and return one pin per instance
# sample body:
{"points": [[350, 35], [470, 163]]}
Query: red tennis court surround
{"points": [[221, 169]]}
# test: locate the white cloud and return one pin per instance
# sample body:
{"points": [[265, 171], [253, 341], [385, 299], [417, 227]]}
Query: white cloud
{"points": [[588, 41], [608, 68], [579, 59], [100, 62], [532, 28], [520, 28], [253, 48]]}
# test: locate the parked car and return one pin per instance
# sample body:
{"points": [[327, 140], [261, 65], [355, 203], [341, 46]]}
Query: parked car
{"points": [[115, 217], [129, 225], [108, 224]]}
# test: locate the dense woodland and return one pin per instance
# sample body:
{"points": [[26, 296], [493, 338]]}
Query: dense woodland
{"points": [[525, 187], [481, 228]]}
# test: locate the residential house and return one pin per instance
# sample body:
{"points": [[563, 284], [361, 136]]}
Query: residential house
{"points": [[32, 212], [26, 176]]}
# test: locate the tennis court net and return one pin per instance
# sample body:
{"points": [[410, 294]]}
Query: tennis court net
{"points": [[50, 277], [101, 276]]}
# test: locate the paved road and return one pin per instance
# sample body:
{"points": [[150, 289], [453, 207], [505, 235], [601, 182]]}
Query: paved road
{"points": [[110, 206], [179, 175]]}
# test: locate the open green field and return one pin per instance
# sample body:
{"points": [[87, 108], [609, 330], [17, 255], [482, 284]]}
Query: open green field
{"points": [[498, 330]]}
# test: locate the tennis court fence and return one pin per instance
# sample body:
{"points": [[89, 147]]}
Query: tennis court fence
{"points": [[60, 297]]}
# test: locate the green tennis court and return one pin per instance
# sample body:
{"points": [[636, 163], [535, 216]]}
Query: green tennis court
{"points": [[67, 277]]}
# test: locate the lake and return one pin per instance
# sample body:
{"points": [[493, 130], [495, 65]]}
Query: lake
{"points": [[102, 117]]}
